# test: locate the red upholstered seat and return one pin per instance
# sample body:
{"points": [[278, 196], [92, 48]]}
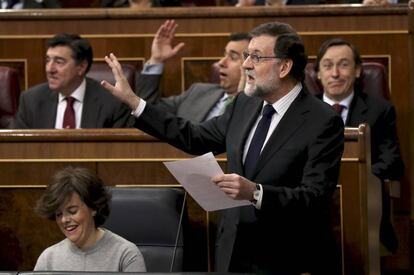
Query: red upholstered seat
{"points": [[9, 95]]}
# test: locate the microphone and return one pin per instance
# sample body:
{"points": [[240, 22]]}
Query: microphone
{"points": [[177, 237]]}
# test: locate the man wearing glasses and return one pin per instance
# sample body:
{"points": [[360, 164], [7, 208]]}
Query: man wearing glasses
{"points": [[283, 148]]}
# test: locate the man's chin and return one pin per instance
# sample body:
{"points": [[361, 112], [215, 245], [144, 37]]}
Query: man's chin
{"points": [[249, 90], [53, 87]]}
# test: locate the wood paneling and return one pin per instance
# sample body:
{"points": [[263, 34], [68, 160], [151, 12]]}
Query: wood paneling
{"points": [[376, 31], [28, 158]]}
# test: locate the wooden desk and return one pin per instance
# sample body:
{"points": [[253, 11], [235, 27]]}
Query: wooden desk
{"points": [[129, 157], [380, 33]]}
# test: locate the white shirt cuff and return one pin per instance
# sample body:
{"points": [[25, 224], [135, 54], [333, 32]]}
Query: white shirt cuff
{"points": [[258, 203], [152, 69], [138, 111]]}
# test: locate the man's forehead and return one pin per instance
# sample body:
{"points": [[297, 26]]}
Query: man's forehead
{"points": [[63, 51], [338, 52], [262, 43], [237, 46]]}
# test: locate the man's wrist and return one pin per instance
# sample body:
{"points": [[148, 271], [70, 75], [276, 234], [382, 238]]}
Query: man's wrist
{"points": [[256, 193], [154, 61]]}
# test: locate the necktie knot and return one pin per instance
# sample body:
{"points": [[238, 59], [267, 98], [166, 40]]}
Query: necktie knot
{"points": [[338, 108], [70, 100], [268, 111], [226, 102]]}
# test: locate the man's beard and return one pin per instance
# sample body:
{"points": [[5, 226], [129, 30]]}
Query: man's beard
{"points": [[257, 91]]}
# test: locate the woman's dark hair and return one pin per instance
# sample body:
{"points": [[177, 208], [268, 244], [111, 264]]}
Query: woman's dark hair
{"points": [[81, 48], [81, 181]]}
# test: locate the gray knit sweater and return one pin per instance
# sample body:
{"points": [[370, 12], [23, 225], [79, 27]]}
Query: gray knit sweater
{"points": [[111, 253]]}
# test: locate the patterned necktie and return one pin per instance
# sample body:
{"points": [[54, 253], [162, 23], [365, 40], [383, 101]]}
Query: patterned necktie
{"points": [[258, 139], [69, 116], [338, 108], [227, 101]]}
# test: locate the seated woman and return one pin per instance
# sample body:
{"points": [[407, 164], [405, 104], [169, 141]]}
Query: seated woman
{"points": [[79, 203]]}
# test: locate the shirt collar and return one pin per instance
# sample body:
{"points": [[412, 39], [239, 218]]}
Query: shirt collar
{"points": [[283, 103], [78, 94], [346, 102]]}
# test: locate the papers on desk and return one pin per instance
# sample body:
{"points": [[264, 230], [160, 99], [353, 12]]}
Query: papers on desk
{"points": [[195, 176]]}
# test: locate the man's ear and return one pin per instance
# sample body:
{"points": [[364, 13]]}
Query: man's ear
{"points": [[285, 67], [358, 71], [82, 68]]}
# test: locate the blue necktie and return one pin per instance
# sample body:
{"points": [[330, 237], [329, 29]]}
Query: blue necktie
{"points": [[258, 140]]}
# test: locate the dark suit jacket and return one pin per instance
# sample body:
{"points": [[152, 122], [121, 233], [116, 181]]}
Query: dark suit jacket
{"points": [[298, 169], [38, 107], [380, 115], [194, 104], [32, 4]]}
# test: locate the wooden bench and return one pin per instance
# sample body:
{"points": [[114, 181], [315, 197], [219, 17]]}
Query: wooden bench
{"points": [[128, 157]]}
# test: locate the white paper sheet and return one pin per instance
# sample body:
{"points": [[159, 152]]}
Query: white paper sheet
{"points": [[195, 176]]}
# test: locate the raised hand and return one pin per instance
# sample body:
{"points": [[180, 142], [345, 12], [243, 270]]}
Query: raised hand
{"points": [[121, 90], [162, 48]]}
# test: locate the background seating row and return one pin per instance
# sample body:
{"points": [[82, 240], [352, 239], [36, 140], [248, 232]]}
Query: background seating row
{"points": [[373, 80]]}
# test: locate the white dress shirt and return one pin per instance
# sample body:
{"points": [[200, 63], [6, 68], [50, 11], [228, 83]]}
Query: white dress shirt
{"points": [[79, 95], [345, 103]]}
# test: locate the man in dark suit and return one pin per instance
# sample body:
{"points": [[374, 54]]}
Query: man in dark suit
{"points": [[338, 68], [201, 101], [31, 4], [68, 59], [286, 229]]}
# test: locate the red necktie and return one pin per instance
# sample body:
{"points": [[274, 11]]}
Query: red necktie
{"points": [[69, 116], [338, 108]]}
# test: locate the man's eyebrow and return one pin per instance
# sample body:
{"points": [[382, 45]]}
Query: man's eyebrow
{"points": [[234, 52]]}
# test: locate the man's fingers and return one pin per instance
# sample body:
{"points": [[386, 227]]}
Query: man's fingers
{"points": [[108, 86], [116, 67], [178, 48], [115, 61]]}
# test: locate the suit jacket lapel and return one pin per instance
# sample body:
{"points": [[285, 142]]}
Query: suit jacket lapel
{"points": [[91, 107], [211, 101], [256, 107], [48, 110], [357, 111]]}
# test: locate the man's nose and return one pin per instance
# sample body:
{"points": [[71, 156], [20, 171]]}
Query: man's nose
{"points": [[335, 71], [222, 61], [50, 67], [247, 63]]}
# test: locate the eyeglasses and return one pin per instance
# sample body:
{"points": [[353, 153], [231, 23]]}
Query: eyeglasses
{"points": [[256, 58], [343, 65]]}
